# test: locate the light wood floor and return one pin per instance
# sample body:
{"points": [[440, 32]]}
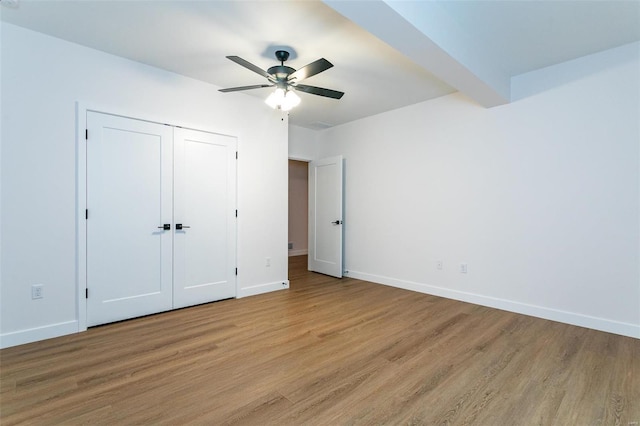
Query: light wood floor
{"points": [[326, 352]]}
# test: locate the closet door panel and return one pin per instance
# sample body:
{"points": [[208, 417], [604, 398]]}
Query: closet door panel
{"points": [[129, 200], [204, 207]]}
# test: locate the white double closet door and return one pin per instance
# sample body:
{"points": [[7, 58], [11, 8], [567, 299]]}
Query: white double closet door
{"points": [[161, 222]]}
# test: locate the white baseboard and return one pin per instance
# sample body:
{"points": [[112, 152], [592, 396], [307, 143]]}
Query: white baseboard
{"points": [[38, 333], [601, 324], [298, 252], [262, 288]]}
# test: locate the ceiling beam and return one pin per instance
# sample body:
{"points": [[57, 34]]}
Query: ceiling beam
{"points": [[425, 34]]}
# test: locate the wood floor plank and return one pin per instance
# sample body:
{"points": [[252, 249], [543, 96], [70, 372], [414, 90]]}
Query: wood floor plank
{"points": [[326, 352]]}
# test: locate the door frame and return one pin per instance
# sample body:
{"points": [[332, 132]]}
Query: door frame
{"points": [[81, 109]]}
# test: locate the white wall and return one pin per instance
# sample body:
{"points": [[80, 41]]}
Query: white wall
{"points": [[303, 143], [541, 197], [42, 78]]}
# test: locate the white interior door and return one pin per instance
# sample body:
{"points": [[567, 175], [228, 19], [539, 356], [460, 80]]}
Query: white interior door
{"points": [[205, 203], [325, 216], [129, 200]]}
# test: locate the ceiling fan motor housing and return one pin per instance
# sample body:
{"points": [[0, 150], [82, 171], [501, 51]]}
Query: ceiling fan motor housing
{"points": [[281, 72]]}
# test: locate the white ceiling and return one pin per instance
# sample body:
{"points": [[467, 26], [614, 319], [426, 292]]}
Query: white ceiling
{"points": [[386, 55]]}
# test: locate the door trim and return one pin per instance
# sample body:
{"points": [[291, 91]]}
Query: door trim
{"points": [[81, 109]]}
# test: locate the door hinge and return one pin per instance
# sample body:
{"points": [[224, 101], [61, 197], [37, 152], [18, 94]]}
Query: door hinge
{"points": [[236, 271], [86, 214], [86, 293], [236, 155], [86, 134], [236, 213]]}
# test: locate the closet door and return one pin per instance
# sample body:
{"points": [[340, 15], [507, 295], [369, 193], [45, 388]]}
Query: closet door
{"points": [[129, 201], [204, 207]]}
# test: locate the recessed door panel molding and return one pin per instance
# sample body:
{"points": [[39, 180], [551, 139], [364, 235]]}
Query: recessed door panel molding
{"points": [[326, 216], [205, 203], [129, 198]]}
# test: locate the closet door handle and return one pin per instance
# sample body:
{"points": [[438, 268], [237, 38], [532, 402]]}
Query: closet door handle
{"points": [[166, 227], [180, 226]]}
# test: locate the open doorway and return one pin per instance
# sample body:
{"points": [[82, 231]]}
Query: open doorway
{"points": [[298, 208], [298, 217]]}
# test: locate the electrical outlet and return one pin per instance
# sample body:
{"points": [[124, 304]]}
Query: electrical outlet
{"points": [[267, 261], [463, 268], [438, 264], [36, 291], [290, 246]]}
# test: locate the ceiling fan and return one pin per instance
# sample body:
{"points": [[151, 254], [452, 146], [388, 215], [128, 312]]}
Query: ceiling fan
{"points": [[287, 78]]}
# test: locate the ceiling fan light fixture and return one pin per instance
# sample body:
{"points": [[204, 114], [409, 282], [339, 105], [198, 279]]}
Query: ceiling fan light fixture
{"points": [[291, 100], [284, 100], [275, 99]]}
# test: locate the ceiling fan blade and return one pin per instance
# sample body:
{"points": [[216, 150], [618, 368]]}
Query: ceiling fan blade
{"points": [[236, 89], [311, 69], [238, 60], [320, 91]]}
